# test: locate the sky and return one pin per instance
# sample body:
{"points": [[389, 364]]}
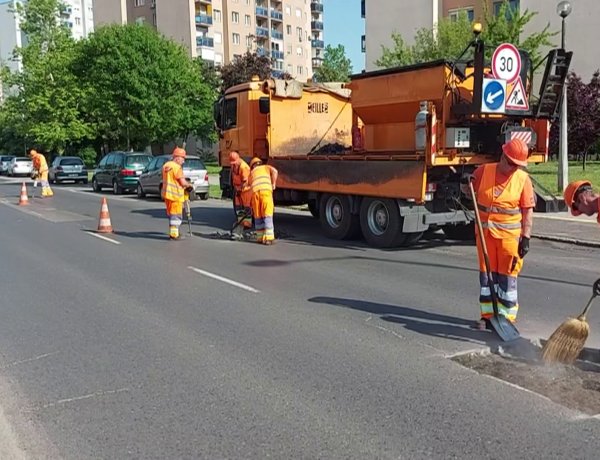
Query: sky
{"points": [[343, 25]]}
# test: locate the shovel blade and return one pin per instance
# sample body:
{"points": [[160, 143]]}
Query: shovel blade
{"points": [[506, 330]]}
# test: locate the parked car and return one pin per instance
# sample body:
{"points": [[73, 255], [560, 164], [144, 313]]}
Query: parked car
{"points": [[20, 166], [67, 169], [193, 169], [4, 162], [120, 171]]}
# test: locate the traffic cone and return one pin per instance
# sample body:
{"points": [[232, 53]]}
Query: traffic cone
{"points": [[24, 199], [104, 225]]}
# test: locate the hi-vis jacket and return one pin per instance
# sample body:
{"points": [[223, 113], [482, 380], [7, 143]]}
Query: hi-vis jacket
{"points": [[261, 178], [172, 190], [501, 215]]}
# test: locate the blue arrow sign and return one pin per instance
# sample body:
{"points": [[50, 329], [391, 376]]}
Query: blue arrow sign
{"points": [[493, 95]]}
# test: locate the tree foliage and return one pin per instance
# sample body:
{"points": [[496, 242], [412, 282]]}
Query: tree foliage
{"points": [[242, 68], [43, 106], [335, 66], [142, 88], [449, 38], [583, 115]]}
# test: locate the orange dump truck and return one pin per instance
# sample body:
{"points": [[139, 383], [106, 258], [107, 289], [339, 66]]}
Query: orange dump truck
{"points": [[384, 154]]}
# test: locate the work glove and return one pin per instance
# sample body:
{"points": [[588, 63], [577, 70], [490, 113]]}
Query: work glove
{"points": [[523, 246]]}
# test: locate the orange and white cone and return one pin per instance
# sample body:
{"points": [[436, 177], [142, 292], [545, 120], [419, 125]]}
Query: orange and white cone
{"points": [[24, 199], [104, 225]]}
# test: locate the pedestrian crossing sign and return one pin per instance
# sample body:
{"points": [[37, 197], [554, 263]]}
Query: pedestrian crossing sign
{"points": [[517, 98]]}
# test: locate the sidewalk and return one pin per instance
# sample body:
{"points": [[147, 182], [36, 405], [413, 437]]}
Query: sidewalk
{"points": [[563, 227]]}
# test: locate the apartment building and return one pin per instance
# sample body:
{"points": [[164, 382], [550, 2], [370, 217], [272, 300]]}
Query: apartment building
{"points": [[382, 17], [290, 32]]}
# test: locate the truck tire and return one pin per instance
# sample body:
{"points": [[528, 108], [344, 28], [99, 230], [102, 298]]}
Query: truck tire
{"points": [[337, 220], [381, 222], [462, 232]]}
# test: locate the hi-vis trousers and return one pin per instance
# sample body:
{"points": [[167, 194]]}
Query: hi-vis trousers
{"points": [[175, 215], [505, 267], [262, 209]]}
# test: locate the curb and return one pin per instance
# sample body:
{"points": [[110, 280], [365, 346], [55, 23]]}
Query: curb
{"points": [[564, 239]]}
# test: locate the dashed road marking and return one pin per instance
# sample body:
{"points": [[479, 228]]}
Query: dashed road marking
{"points": [[102, 237], [224, 280]]}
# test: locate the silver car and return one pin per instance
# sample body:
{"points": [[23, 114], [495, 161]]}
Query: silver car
{"points": [[150, 182], [4, 162], [20, 166]]}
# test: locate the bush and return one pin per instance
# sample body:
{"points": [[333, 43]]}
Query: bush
{"points": [[88, 155]]}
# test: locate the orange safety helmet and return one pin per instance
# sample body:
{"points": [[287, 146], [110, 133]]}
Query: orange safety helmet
{"points": [[571, 191], [255, 161], [179, 152], [516, 151], [233, 157]]}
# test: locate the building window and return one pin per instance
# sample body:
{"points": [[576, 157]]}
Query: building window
{"points": [[218, 37], [290, 68], [299, 69], [217, 15], [298, 13], [289, 49], [363, 44], [230, 113], [299, 33], [513, 6], [288, 10], [455, 14], [139, 2], [362, 8], [299, 51], [78, 21], [218, 58], [249, 40], [235, 17], [235, 38], [247, 20], [139, 21], [288, 29]]}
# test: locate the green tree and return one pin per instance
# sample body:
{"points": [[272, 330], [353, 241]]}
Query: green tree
{"points": [[141, 88], [448, 39], [335, 66], [43, 106]]}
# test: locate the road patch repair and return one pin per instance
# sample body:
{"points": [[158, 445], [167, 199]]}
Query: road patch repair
{"points": [[520, 363]]}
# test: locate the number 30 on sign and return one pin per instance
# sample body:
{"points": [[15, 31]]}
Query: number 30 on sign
{"points": [[506, 63]]}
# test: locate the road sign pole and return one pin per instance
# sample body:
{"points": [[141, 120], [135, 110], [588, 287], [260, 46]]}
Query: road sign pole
{"points": [[563, 154]]}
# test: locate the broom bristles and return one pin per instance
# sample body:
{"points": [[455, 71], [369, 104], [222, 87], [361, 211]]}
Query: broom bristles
{"points": [[565, 344]]}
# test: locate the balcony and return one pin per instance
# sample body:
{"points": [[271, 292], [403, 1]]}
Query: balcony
{"points": [[205, 41], [203, 19], [277, 15], [261, 51], [260, 11], [209, 2], [277, 54], [316, 7], [316, 25], [316, 62], [262, 32], [276, 34], [317, 43], [277, 73]]}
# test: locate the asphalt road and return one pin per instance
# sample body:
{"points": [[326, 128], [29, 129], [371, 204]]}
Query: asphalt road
{"points": [[138, 347]]}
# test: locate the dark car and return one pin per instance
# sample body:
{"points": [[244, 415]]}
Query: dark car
{"points": [[120, 171], [67, 169], [194, 170]]}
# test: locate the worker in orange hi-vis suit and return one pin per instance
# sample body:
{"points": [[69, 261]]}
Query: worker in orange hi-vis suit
{"points": [[263, 180], [40, 167], [581, 199], [505, 199], [174, 186], [242, 193]]}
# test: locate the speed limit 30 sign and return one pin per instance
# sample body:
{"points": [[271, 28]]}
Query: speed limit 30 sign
{"points": [[506, 63]]}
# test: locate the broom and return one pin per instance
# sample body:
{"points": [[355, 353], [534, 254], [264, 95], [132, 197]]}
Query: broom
{"points": [[565, 344]]}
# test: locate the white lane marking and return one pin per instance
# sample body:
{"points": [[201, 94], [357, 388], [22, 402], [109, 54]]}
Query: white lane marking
{"points": [[567, 219], [225, 280], [102, 237]]}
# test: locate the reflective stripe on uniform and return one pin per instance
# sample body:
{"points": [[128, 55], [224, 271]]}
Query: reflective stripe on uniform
{"points": [[497, 210]]}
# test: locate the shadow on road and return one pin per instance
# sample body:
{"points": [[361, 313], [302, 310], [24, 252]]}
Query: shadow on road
{"points": [[423, 322], [145, 235]]}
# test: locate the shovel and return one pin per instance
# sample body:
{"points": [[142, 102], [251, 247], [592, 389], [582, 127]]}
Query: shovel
{"points": [[239, 222], [501, 325]]}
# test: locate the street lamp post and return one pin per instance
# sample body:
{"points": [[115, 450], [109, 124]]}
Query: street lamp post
{"points": [[563, 9]]}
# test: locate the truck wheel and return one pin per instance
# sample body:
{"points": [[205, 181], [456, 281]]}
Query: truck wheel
{"points": [[462, 232], [336, 218], [313, 208], [381, 222]]}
